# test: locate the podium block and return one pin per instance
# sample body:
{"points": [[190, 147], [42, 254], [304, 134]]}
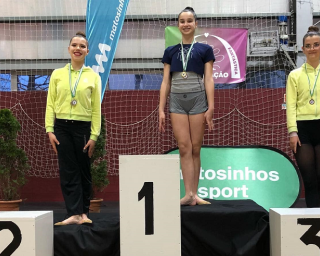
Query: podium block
{"points": [[294, 232], [150, 205], [26, 233]]}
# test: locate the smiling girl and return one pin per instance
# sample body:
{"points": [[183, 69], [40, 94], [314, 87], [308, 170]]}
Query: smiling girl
{"points": [[187, 77], [303, 116], [73, 121]]}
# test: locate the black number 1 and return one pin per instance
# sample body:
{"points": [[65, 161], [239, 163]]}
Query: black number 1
{"points": [[147, 193]]}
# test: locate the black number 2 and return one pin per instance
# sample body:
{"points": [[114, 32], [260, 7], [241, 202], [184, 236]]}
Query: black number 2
{"points": [[16, 232], [310, 236], [147, 193]]}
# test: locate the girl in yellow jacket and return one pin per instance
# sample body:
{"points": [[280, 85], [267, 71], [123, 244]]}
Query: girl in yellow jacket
{"points": [[73, 120], [303, 116]]}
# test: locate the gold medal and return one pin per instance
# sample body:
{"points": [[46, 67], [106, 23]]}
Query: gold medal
{"points": [[311, 101], [185, 60], [73, 102], [184, 75]]}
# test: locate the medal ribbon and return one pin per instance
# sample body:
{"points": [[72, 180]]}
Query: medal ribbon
{"points": [[315, 82], [185, 62], [74, 89]]}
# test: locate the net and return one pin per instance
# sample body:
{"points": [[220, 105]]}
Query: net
{"points": [[35, 39]]}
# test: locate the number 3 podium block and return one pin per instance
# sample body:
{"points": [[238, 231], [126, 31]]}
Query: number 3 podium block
{"points": [[26, 233], [150, 205], [294, 232]]}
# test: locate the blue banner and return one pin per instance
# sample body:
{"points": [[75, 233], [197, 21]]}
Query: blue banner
{"points": [[103, 27]]}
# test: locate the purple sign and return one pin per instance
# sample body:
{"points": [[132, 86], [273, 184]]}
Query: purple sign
{"points": [[229, 47]]}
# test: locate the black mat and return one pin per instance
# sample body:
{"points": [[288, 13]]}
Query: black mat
{"points": [[224, 228], [101, 238]]}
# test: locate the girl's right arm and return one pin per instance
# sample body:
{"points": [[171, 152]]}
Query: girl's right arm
{"points": [[164, 92], [51, 97], [291, 111], [50, 114]]}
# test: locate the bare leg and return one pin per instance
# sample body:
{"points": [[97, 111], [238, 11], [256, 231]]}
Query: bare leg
{"points": [[197, 127], [180, 125]]}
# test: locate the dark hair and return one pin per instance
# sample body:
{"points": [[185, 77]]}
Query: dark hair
{"points": [[189, 9], [81, 35], [312, 31]]}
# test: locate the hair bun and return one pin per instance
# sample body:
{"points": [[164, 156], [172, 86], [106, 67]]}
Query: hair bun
{"points": [[189, 8], [80, 33], [313, 29]]}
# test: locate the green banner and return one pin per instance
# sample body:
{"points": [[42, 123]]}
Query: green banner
{"points": [[263, 174], [172, 35]]}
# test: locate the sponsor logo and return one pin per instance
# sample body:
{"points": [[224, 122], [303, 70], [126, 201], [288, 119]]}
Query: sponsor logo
{"points": [[263, 174]]}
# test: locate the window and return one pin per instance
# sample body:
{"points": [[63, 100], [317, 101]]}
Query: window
{"points": [[33, 82], [24, 82], [135, 81], [266, 79], [5, 82]]}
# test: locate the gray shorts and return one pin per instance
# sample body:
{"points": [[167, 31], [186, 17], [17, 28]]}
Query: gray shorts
{"points": [[190, 103]]}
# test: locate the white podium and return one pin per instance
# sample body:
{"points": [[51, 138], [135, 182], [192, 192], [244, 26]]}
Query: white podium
{"points": [[294, 232], [26, 233], [150, 205]]}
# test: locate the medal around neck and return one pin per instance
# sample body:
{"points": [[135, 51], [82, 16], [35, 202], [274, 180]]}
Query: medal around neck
{"points": [[74, 102], [185, 61], [73, 89], [184, 75], [311, 90]]}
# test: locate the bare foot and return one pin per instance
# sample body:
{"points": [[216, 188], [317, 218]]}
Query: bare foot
{"points": [[74, 219], [200, 201], [85, 218], [188, 200]]}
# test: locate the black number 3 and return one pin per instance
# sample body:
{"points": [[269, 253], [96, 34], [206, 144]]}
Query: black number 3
{"points": [[147, 193], [16, 232]]}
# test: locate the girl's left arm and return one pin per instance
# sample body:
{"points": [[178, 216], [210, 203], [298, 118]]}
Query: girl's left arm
{"points": [[96, 116], [96, 109], [51, 98], [209, 87]]}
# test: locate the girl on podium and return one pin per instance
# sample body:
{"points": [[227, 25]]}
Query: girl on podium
{"points": [[187, 78], [303, 116], [73, 121]]}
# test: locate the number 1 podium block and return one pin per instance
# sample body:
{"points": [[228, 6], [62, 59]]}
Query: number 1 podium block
{"points": [[150, 205], [294, 231], [26, 233]]}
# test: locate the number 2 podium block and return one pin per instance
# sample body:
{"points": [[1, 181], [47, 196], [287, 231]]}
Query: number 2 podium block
{"points": [[294, 232], [26, 233], [150, 205]]}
